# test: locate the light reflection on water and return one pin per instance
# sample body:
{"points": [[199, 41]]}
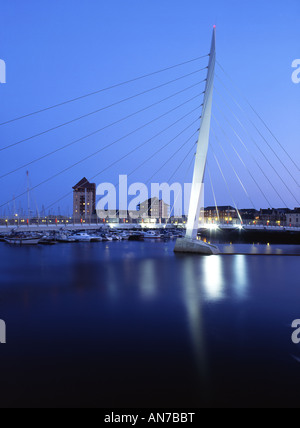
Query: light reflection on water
{"points": [[240, 283], [256, 249], [189, 325], [191, 290], [112, 282], [148, 279], [213, 277]]}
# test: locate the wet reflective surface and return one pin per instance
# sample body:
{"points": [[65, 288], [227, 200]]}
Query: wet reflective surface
{"points": [[134, 325]]}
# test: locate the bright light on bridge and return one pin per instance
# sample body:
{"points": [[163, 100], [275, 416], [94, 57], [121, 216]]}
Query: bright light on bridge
{"points": [[216, 226], [212, 226]]}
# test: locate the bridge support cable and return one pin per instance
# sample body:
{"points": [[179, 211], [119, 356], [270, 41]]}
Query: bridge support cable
{"points": [[157, 152], [260, 150], [99, 151], [233, 168], [252, 156], [185, 177], [242, 161], [255, 127], [99, 110], [182, 162], [169, 159], [165, 163], [108, 126], [103, 90], [226, 183], [213, 191], [257, 114], [128, 154]]}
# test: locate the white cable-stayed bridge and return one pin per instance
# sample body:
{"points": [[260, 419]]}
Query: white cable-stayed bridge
{"points": [[148, 129]]}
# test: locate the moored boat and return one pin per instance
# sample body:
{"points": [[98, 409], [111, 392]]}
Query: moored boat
{"points": [[82, 237], [136, 237], [65, 239], [47, 240], [96, 238], [106, 238], [151, 235], [23, 240], [124, 236]]}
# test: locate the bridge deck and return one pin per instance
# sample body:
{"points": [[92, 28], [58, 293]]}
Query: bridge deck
{"points": [[74, 228]]}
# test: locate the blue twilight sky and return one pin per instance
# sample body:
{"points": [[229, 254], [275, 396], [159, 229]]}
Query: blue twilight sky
{"points": [[57, 50]]}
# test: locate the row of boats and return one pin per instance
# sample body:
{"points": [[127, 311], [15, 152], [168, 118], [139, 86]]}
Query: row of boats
{"points": [[52, 238]]}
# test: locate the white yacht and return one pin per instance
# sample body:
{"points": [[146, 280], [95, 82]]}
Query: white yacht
{"points": [[108, 238], [63, 238], [82, 237], [151, 235], [124, 236]]}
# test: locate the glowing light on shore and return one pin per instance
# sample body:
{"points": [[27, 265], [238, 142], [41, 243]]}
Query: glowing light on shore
{"points": [[212, 226]]}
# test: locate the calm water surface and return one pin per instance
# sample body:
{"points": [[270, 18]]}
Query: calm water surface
{"points": [[133, 325]]}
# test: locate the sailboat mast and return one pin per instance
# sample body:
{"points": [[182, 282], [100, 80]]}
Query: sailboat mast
{"points": [[28, 195]]}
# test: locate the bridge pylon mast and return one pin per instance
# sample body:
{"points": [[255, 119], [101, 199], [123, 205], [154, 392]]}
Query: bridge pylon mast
{"points": [[190, 243]]}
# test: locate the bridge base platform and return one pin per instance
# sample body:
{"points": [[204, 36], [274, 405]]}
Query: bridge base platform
{"points": [[185, 245]]}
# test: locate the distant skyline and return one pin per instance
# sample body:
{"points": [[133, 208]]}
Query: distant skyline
{"points": [[55, 51]]}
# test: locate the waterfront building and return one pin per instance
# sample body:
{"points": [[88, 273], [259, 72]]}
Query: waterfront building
{"points": [[249, 215], [224, 214], [293, 218], [84, 201], [154, 209], [273, 217]]}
